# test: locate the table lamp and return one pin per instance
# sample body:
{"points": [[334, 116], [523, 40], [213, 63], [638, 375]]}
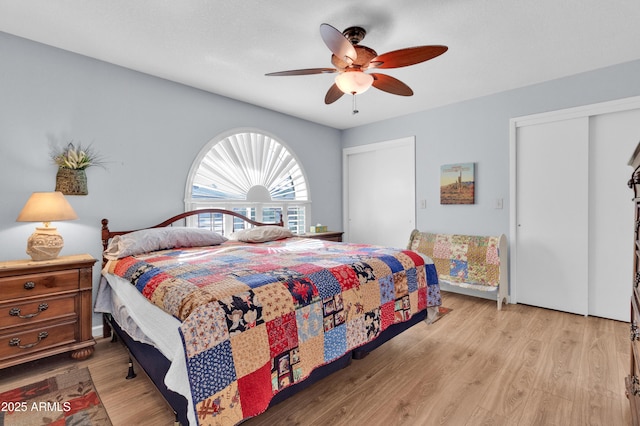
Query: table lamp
{"points": [[45, 243]]}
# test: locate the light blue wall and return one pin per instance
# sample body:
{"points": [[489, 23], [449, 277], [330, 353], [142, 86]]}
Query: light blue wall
{"points": [[478, 131], [150, 130]]}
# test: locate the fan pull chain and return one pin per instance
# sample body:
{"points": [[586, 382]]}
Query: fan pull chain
{"points": [[354, 106]]}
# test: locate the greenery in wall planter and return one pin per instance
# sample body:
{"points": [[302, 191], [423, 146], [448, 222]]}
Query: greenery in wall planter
{"points": [[72, 161]]}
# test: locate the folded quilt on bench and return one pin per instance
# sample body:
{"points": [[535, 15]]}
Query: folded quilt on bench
{"points": [[467, 261]]}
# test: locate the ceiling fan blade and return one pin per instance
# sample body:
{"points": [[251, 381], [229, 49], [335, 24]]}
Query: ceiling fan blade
{"points": [[307, 71], [391, 85], [333, 94], [406, 57], [338, 43]]}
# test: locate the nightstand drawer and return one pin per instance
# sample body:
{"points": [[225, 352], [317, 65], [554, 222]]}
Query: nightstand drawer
{"points": [[23, 313], [38, 284], [22, 343]]}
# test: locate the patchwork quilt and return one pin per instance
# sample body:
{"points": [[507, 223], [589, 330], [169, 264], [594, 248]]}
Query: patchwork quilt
{"points": [[463, 260], [257, 318]]}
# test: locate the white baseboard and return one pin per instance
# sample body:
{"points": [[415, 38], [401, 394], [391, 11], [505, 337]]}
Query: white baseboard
{"points": [[96, 331]]}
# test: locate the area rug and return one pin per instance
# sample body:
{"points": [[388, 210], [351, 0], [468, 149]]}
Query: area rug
{"points": [[442, 311], [66, 399]]}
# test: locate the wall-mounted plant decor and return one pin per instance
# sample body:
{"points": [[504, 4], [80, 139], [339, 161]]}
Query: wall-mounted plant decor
{"points": [[457, 183], [72, 161]]}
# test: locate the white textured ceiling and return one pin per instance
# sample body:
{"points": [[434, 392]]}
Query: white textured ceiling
{"points": [[226, 46]]}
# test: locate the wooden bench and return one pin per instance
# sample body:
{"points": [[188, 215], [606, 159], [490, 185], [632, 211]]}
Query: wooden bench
{"points": [[467, 261]]}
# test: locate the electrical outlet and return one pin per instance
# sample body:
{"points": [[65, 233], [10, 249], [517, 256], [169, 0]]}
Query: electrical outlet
{"points": [[498, 203], [423, 204]]}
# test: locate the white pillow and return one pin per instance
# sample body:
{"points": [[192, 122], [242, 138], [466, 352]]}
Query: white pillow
{"points": [[148, 240], [261, 234]]}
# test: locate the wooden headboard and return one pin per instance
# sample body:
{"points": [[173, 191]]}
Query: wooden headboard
{"points": [[107, 234]]}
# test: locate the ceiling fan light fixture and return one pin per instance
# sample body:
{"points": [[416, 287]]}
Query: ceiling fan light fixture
{"points": [[354, 82]]}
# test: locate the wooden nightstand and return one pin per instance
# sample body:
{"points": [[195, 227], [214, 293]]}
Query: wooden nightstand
{"points": [[329, 236], [45, 308]]}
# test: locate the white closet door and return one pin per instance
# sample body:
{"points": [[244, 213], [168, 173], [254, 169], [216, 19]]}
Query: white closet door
{"points": [[379, 191], [613, 136], [552, 215], [362, 202]]}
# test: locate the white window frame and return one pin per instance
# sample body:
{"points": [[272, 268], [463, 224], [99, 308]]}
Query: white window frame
{"points": [[284, 205]]}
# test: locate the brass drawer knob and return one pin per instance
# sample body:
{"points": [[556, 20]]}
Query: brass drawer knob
{"points": [[15, 312], [29, 285], [16, 341]]}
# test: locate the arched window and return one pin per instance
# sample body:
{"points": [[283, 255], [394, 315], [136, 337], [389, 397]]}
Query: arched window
{"points": [[252, 173]]}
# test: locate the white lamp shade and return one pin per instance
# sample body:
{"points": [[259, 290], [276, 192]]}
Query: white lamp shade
{"points": [[46, 207], [354, 82], [45, 243]]}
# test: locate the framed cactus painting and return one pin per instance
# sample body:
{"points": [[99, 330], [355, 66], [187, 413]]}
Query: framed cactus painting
{"points": [[457, 183]]}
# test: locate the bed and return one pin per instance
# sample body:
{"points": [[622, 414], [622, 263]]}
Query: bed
{"points": [[226, 326]]}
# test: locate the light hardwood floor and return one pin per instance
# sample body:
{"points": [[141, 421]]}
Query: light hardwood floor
{"points": [[477, 366]]}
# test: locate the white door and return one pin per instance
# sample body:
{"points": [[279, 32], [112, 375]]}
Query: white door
{"points": [[361, 201], [552, 215], [613, 137], [379, 193]]}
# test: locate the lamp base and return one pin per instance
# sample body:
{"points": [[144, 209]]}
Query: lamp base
{"points": [[44, 244]]}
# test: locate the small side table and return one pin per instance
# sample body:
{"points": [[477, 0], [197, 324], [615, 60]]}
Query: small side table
{"points": [[45, 308], [328, 236]]}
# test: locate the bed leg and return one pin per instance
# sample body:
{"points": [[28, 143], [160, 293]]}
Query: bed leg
{"points": [[106, 327], [176, 422], [131, 374], [360, 354], [107, 330]]}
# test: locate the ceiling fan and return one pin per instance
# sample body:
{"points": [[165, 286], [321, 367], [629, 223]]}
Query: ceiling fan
{"points": [[351, 60]]}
